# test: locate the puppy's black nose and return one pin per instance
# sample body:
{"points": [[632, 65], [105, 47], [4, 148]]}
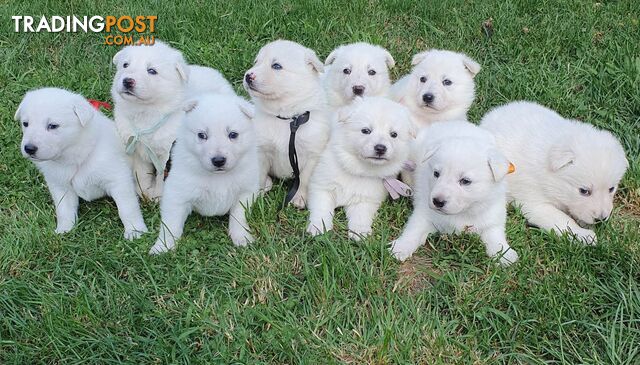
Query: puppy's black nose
{"points": [[218, 161], [380, 149], [358, 90], [428, 98], [128, 83], [249, 77], [439, 203], [30, 149]]}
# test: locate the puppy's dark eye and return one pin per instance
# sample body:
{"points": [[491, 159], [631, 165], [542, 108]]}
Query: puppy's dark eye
{"points": [[464, 181], [152, 71], [125, 65], [446, 82], [585, 192], [371, 72], [365, 131], [346, 71], [393, 134], [423, 79], [436, 174], [202, 135], [233, 135], [25, 124], [276, 66], [52, 126], [612, 189]]}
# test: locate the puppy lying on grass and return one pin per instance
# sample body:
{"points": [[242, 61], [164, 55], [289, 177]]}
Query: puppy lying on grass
{"points": [[78, 151], [459, 188], [568, 171], [370, 142], [214, 169]]}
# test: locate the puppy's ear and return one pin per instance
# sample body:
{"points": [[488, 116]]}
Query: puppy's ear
{"points": [[429, 152], [472, 66], [498, 164], [332, 56], [18, 114], [388, 59], [247, 109], [344, 113], [313, 60], [83, 111], [116, 57], [183, 71], [559, 157], [189, 106], [418, 58]]}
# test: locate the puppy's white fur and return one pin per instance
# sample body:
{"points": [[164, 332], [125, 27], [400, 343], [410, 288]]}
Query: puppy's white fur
{"points": [[214, 127], [355, 70], [79, 154], [154, 98], [285, 81], [555, 158], [350, 172], [446, 76], [456, 153]]}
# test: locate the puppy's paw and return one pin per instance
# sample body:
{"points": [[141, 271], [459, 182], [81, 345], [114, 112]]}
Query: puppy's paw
{"points": [[268, 184], [401, 250], [586, 236], [132, 234], [314, 230], [160, 247], [242, 239], [358, 235], [63, 228], [508, 258], [299, 201]]}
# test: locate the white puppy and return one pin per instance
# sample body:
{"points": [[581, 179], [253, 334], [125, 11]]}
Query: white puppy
{"points": [[459, 187], [285, 83], [214, 168], [568, 171], [439, 88], [78, 151], [150, 85], [370, 142], [357, 69]]}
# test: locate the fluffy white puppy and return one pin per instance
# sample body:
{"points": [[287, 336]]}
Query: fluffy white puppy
{"points": [[357, 69], [369, 142], [568, 171], [214, 168], [439, 88], [284, 83], [78, 151], [149, 88], [459, 188]]}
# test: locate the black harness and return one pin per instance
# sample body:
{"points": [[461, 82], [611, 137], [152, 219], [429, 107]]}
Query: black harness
{"points": [[296, 122]]}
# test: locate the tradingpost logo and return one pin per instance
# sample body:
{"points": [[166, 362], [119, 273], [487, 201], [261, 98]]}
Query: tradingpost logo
{"points": [[136, 30]]}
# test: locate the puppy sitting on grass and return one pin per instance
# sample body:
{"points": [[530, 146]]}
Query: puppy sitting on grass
{"points": [[285, 84], [356, 70], [568, 171], [369, 143], [459, 188], [149, 88], [214, 169], [78, 151]]}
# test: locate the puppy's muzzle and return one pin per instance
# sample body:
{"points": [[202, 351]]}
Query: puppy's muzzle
{"points": [[439, 202], [358, 90], [249, 77], [428, 98], [219, 161], [30, 149], [380, 149], [128, 83]]}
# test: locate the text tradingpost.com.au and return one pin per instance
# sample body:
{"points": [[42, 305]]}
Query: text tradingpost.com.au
{"points": [[143, 25]]}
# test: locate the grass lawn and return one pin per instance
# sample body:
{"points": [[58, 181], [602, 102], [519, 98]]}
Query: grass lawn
{"points": [[92, 297]]}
